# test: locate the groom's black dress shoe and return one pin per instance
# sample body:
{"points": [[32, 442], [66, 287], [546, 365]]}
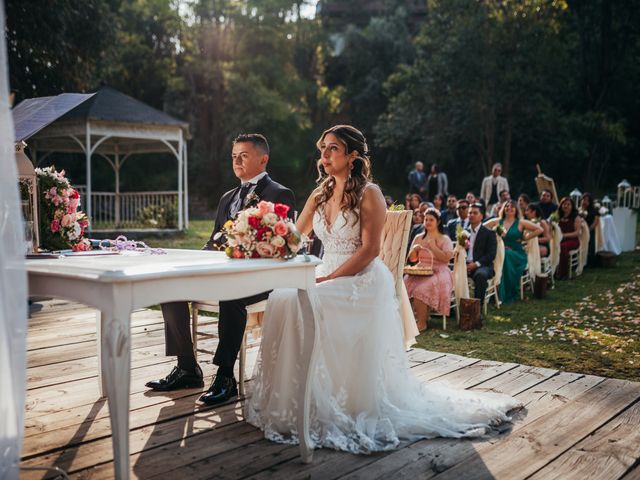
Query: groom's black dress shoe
{"points": [[221, 390], [178, 378]]}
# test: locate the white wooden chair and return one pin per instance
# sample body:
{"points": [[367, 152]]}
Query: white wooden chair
{"points": [[255, 313], [578, 256], [493, 284], [393, 252]]}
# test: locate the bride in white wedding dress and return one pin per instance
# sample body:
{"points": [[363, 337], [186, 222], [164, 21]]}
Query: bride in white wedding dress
{"points": [[363, 396]]}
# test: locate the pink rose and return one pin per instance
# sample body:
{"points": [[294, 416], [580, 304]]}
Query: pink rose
{"points": [[237, 253], [264, 208], [55, 226], [82, 246], [73, 205], [264, 249], [281, 229], [68, 220], [53, 191]]}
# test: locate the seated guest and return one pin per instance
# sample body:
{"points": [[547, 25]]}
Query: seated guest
{"points": [[523, 203], [590, 215], [388, 199], [569, 224], [417, 226], [504, 197], [438, 202], [533, 213], [407, 202], [432, 292], [462, 220], [546, 204], [471, 198], [415, 201], [450, 212], [482, 252], [423, 208], [515, 258]]}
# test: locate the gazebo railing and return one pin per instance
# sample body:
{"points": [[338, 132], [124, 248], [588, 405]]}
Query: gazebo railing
{"points": [[132, 210]]}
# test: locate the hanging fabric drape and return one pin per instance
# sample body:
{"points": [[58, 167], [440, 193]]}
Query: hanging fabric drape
{"points": [[499, 261], [460, 280], [554, 246], [533, 257], [585, 236], [13, 288]]}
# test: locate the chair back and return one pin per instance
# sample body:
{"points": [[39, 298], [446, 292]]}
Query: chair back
{"points": [[585, 236], [393, 244]]}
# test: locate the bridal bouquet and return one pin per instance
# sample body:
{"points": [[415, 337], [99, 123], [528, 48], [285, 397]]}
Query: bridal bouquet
{"points": [[62, 225], [262, 231]]}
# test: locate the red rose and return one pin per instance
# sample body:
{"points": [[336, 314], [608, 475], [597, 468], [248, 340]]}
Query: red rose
{"points": [[281, 210], [254, 222], [255, 254], [260, 233], [74, 193]]}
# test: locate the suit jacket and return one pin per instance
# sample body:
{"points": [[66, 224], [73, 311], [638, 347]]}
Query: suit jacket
{"points": [[266, 189], [485, 247], [452, 227]]}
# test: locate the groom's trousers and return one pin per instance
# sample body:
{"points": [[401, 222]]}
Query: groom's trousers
{"points": [[232, 321]]}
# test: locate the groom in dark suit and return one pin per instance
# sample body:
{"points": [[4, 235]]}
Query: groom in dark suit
{"points": [[250, 156], [482, 252]]}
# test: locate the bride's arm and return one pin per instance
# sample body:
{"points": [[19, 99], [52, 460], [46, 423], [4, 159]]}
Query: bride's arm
{"points": [[305, 219], [372, 215]]}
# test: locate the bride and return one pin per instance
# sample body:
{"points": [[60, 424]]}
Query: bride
{"points": [[363, 396]]}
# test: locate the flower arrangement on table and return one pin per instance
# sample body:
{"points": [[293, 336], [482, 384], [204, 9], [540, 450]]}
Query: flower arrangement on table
{"points": [[263, 231], [62, 225]]}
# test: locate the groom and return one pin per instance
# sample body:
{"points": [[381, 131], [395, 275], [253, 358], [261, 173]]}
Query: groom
{"points": [[482, 252], [250, 155]]}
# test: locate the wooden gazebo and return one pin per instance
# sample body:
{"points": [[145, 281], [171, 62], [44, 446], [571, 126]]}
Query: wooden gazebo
{"points": [[113, 126]]}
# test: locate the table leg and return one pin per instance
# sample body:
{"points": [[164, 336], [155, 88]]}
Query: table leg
{"points": [[309, 319], [101, 388], [115, 341]]}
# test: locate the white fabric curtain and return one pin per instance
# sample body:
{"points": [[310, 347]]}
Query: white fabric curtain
{"points": [[460, 281], [499, 260], [585, 236], [13, 287], [554, 247], [533, 257]]}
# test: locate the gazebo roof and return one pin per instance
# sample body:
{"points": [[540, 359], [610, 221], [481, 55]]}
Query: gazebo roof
{"points": [[111, 105], [115, 122]]}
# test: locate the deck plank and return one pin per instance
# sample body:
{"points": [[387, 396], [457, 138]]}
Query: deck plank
{"points": [[573, 425], [607, 453]]}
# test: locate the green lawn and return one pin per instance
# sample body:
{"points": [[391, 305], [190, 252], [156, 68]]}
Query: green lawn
{"points": [[588, 325]]}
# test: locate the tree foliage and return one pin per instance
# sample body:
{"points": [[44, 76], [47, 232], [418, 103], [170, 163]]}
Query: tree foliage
{"points": [[459, 83]]}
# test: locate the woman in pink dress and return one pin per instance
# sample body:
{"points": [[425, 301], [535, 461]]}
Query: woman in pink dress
{"points": [[432, 292]]}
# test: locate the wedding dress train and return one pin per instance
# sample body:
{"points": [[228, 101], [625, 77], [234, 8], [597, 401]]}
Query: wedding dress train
{"points": [[364, 397]]}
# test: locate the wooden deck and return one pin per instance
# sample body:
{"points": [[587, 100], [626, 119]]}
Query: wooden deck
{"points": [[573, 426]]}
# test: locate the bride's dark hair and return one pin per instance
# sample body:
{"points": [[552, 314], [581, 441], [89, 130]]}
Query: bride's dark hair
{"points": [[360, 174]]}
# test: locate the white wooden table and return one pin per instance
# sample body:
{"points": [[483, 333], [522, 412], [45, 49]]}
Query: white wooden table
{"points": [[117, 284]]}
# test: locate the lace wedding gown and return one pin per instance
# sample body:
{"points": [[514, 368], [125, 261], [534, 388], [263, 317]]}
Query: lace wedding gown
{"points": [[363, 396]]}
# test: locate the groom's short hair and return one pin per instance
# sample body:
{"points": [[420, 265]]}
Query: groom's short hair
{"points": [[259, 141]]}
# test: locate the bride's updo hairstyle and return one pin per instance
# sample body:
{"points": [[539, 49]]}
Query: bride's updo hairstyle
{"points": [[360, 174]]}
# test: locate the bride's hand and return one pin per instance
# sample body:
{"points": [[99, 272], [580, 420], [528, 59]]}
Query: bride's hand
{"points": [[323, 279]]}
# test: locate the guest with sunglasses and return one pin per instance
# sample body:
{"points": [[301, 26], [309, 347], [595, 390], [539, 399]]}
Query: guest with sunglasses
{"points": [[462, 219]]}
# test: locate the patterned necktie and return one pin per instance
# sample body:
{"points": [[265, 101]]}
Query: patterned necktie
{"points": [[239, 201]]}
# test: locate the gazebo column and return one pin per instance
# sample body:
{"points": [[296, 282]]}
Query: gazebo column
{"points": [[117, 172], [87, 150], [180, 182], [186, 187]]}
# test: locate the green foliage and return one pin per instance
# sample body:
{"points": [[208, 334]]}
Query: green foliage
{"points": [[160, 216], [459, 83]]}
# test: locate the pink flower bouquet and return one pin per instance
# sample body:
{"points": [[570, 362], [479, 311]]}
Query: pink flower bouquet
{"points": [[263, 231], [62, 225]]}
